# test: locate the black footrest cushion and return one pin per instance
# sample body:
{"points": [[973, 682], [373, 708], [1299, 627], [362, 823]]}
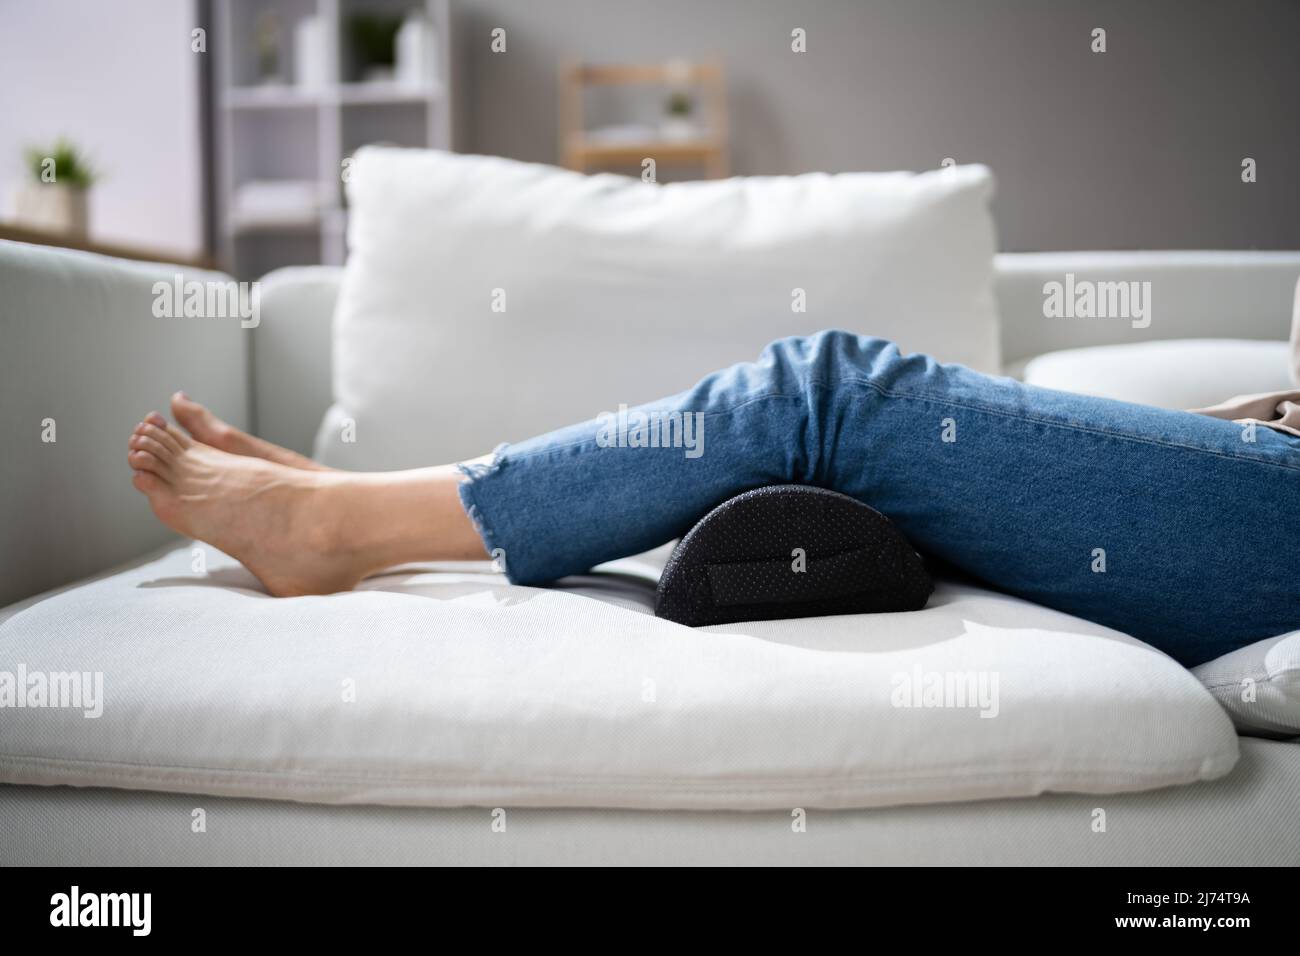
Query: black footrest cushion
{"points": [[790, 551]]}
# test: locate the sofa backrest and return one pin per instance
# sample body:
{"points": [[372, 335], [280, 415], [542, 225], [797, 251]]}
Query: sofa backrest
{"points": [[1244, 295]]}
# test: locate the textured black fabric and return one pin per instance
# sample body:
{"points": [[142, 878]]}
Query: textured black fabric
{"points": [[740, 563]]}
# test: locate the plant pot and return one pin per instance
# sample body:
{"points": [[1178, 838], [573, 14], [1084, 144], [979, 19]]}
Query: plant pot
{"points": [[678, 129], [54, 207], [378, 73]]}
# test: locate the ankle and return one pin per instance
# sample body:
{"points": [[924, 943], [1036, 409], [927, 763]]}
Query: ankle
{"points": [[382, 519]]}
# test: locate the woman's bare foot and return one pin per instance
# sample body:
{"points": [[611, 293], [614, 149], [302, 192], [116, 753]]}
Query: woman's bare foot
{"points": [[201, 423], [300, 531], [269, 516]]}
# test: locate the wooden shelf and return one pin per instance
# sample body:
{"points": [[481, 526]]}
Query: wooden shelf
{"points": [[584, 152], [621, 74], [15, 232]]}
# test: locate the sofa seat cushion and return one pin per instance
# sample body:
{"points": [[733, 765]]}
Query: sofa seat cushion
{"points": [[447, 686]]}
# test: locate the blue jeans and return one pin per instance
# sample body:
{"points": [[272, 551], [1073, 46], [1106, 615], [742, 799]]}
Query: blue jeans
{"points": [[1169, 526]]}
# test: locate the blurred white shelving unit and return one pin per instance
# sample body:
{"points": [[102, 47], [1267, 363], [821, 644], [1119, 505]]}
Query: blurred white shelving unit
{"points": [[282, 128]]}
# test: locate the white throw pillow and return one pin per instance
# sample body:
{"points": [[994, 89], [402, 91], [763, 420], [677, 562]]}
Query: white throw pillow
{"points": [[1259, 686], [1180, 373], [487, 300]]}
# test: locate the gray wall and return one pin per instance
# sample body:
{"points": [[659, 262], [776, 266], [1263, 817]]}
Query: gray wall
{"points": [[1139, 147]]}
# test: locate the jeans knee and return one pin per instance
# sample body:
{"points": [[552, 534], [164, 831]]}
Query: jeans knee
{"points": [[829, 357]]}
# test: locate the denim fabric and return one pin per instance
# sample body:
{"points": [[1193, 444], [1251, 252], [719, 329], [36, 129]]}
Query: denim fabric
{"points": [[1169, 526]]}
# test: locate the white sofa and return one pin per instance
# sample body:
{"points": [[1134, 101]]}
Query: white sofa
{"points": [[82, 348]]}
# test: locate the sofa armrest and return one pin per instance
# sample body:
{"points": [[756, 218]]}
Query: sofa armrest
{"points": [[291, 354], [1186, 295], [89, 347]]}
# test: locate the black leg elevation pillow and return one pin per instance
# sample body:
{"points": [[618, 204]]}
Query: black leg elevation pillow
{"points": [[790, 551]]}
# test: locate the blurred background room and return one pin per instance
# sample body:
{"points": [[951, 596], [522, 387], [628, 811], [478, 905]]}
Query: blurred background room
{"points": [[218, 131]]}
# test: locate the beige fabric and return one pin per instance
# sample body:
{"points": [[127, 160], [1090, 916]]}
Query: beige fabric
{"points": [[1278, 410]]}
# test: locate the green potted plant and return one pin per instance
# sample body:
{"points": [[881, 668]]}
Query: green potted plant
{"points": [[373, 37], [55, 198], [677, 123], [266, 40]]}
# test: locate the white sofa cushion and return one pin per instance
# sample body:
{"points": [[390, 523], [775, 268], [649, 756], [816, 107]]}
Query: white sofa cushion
{"points": [[451, 687], [1259, 685], [1179, 373], [619, 291]]}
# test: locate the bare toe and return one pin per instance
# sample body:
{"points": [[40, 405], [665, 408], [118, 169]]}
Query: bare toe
{"points": [[146, 461], [161, 436], [148, 483], [207, 428], [179, 436], [199, 422]]}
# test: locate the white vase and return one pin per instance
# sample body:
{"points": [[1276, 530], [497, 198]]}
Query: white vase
{"points": [[53, 207], [309, 66], [415, 53]]}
